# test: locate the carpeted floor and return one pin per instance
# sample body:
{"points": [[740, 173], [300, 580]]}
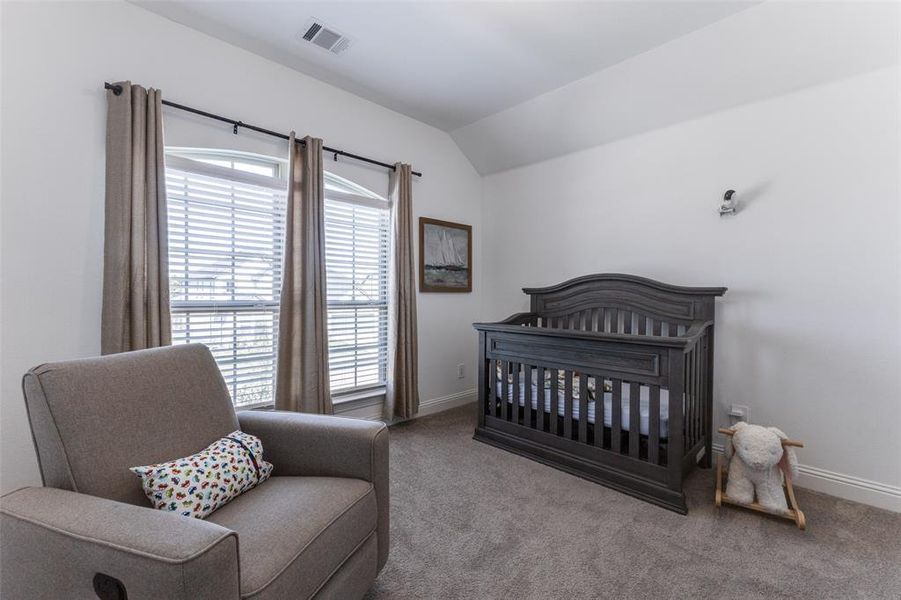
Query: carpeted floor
{"points": [[470, 521]]}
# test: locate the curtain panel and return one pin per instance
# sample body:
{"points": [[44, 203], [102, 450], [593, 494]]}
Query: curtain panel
{"points": [[302, 379], [135, 312], [402, 394]]}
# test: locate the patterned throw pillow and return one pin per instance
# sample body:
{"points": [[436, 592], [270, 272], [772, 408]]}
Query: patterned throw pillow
{"points": [[197, 485]]}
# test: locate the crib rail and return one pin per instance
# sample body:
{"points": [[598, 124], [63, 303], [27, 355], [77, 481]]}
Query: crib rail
{"points": [[609, 325]]}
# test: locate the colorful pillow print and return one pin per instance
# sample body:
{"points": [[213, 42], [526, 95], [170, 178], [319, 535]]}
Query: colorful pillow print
{"points": [[197, 485]]}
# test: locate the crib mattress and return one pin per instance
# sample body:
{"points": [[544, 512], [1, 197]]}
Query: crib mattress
{"points": [[643, 406]]}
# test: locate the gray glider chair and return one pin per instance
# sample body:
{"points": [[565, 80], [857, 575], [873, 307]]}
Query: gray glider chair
{"points": [[317, 529]]}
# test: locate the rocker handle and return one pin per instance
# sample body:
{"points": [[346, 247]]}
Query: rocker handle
{"points": [[794, 443]]}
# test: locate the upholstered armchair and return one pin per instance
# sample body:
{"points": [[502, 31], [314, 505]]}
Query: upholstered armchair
{"points": [[318, 528]]}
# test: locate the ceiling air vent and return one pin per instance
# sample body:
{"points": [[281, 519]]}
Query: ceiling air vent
{"points": [[326, 37]]}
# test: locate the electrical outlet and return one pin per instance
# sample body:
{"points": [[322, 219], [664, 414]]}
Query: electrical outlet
{"points": [[739, 413], [461, 373]]}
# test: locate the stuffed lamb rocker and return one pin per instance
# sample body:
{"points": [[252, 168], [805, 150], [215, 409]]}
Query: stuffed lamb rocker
{"points": [[757, 461]]}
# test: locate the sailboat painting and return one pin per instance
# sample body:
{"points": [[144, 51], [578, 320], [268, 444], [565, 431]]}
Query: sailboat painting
{"points": [[445, 256]]}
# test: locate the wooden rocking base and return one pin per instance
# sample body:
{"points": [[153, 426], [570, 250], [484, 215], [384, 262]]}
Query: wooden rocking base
{"points": [[793, 514]]}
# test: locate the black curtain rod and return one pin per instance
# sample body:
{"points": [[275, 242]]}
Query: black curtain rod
{"points": [[117, 89]]}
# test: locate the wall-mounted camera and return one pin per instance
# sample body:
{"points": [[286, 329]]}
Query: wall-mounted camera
{"points": [[730, 203]]}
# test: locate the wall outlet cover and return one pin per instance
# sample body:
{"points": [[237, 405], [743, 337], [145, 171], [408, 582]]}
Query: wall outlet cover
{"points": [[739, 413]]}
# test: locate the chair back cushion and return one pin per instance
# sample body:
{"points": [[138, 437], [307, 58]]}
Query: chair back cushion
{"points": [[92, 419]]}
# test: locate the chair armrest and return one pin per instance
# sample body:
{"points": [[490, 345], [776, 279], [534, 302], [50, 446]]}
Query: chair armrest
{"points": [[304, 444], [55, 541]]}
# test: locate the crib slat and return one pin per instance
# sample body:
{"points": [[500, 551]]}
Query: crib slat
{"points": [[599, 411], [514, 406], [692, 396], [654, 425], [527, 413], [634, 419], [505, 391], [492, 388], [540, 399], [705, 427], [583, 407], [689, 398], [695, 393], [568, 404], [616, 415], [612, 318], [627, 321], [555, 390], [597, 319], [699, 393]]}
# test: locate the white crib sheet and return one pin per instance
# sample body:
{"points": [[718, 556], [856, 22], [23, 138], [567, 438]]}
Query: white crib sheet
{"points": [[643, 405]]}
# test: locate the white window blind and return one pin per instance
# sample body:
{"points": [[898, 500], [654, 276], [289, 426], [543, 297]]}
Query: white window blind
{"points": [[357, 250], [226, 231]]}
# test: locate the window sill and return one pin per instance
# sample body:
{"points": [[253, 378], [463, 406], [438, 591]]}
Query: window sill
{"points": [[341, 402], [359, 396]]}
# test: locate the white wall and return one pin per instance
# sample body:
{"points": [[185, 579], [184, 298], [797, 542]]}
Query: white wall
{"points": [[55, 58], [808, 334]]}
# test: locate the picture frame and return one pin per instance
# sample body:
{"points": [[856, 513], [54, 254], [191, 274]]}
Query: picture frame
{"points": [[445, 256]]}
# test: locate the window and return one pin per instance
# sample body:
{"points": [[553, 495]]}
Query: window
{"points": [[226, 227], [226, 232], [356, 247]]}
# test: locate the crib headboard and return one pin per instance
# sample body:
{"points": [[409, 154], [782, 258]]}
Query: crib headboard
{"points": [[653, 299]]}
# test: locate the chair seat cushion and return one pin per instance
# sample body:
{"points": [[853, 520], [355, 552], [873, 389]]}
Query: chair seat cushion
{"points": [[294, 532]]}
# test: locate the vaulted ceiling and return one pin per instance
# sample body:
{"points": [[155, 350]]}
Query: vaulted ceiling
{"points": [[513, 82]]}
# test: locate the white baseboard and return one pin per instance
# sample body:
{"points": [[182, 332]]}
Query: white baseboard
{"points": [[844, 486], [371, 408], [437, 405]]}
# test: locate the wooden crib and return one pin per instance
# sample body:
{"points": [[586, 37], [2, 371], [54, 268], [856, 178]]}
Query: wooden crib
{"points": [[608, 377]]}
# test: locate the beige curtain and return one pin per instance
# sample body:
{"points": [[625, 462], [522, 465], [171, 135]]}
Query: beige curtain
{"points": [[402, 396], [302, 381], [135, 311]]}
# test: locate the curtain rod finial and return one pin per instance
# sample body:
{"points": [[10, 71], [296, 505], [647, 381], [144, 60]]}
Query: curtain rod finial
{"points": [[116, 89]]}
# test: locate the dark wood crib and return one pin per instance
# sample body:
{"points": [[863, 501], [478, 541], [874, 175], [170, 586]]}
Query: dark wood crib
{"points": [[608, 377]]}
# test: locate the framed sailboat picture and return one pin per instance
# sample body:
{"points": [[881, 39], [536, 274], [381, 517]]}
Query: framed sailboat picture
{"points": [[445, 256]]}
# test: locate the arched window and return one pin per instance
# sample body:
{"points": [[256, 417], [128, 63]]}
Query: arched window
{"points": [[226, 232]]}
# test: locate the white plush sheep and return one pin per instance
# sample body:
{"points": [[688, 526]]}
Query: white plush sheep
{"points": [[757, 464]]}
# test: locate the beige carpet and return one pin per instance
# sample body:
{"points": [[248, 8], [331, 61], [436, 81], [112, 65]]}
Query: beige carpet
{"points": [[471, 521]]}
